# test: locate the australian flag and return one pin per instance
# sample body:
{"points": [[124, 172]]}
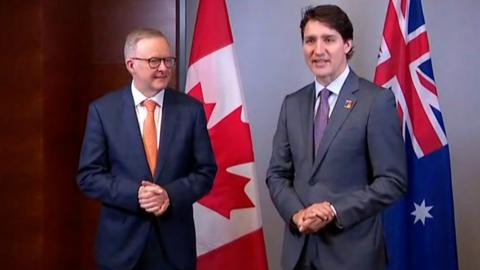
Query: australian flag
{"points": [[420, 229]]}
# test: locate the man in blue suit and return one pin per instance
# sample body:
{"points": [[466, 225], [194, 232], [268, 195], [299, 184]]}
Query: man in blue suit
{"points": [[338, 156], [147, 157]]}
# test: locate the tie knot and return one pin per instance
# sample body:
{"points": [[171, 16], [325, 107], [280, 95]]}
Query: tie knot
{"points": [[150, 105], [324, 94]]}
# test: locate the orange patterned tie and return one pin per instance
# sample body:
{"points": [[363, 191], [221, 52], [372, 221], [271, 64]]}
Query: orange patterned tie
{"points": [[150, 135]]}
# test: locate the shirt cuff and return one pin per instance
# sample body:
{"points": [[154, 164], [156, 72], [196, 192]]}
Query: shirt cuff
{"points": [[337, 220]]}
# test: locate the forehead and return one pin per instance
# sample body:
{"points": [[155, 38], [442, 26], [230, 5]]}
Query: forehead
{"points": [[153, 47], [317, 28]]}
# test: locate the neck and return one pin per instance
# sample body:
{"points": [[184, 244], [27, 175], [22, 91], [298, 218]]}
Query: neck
{"points": [[325, 81], [147, 92]]}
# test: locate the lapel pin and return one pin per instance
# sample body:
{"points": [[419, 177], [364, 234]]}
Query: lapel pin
{"points": [[348, 104]]}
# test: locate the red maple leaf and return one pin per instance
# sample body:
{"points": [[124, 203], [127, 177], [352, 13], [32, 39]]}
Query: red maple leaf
{"points": [[197, 93], [232, 145]]}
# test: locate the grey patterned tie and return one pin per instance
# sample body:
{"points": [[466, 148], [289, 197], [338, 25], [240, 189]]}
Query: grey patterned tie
{"points": [[321, 118]]}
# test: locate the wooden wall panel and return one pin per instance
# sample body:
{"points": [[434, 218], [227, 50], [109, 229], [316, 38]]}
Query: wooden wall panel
{"points": [[115, 19], [58, 56], [20, 135], [66, 74]]}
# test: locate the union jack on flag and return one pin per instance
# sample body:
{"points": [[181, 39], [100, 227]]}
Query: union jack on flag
{"points": [[420, 229]]}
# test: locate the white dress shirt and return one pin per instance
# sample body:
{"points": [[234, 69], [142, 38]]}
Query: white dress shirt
{"points": [[141, 110], [335, 86]]}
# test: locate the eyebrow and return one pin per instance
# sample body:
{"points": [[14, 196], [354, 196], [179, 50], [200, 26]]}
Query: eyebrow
{"points": [[322, 36], [328, 36]]}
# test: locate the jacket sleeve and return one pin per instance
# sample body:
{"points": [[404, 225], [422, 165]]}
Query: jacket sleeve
{"points": [[281, 172], [386, 153], [94, 177], [183, 192]]}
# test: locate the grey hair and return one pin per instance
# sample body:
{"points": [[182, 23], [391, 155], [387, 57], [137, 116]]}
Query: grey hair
{"points": [[135, 36]]}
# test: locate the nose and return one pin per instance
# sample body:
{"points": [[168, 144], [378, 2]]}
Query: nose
{"points": [[319, 47], [162, 66]]}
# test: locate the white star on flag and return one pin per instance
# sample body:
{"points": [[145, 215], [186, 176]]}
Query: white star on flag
{"points": [[421, 212]]}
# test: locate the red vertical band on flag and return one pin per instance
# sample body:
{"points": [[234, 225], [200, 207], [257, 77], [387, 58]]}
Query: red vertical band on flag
{"points": [[214, 32]]}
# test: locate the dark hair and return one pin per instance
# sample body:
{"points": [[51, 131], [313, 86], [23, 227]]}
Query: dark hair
{"points": [[331, 15]]}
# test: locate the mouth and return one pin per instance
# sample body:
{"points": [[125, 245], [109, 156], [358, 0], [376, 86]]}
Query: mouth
{"points": [[320, 61], [160, 77]]}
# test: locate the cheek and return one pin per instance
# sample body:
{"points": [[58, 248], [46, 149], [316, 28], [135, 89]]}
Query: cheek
{"points": [[142, 73], [149, 74], [307, 50], [306, 54]]}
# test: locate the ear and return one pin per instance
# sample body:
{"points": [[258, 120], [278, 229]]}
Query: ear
{"points": [[129, 66], [347, 46]]}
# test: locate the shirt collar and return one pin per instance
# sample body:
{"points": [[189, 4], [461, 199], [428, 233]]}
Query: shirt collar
{"points": [[336, 85], [138, 97]]}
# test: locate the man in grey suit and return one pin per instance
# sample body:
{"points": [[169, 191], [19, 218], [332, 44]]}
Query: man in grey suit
{"points": [[338, 156]]}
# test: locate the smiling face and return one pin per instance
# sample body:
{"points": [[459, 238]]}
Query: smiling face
{"points": [[325, 51], [147, 80]]}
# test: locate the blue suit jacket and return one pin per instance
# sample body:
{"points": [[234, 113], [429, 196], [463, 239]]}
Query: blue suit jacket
{"points": [[360, 167], [113, 163]]}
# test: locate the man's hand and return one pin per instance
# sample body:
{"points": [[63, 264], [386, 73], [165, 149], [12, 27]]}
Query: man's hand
{"points": [[314, 217], [299, 219], [153, 198], [303, 222]]}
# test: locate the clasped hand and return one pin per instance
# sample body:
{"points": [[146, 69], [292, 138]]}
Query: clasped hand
{"points": [[153, 198], [313, 218]]}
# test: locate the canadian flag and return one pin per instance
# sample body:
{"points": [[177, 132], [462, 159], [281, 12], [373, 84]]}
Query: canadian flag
{"points": [[228, 223]]}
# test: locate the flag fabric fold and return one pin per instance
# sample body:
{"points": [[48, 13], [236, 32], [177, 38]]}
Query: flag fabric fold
{"points": [[420, 229], [227, 220]]}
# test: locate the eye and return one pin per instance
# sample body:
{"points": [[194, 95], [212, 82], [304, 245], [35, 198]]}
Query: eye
{"points": [[309, 40], [170, 61], [155, 61]]}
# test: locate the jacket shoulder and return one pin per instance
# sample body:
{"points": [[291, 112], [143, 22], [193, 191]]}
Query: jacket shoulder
{"points": [[368, 85], [301, 93], [181, 99], [305, 90]]}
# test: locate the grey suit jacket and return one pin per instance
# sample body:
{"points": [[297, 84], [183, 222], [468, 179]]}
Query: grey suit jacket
{"points": [[360, 168]]}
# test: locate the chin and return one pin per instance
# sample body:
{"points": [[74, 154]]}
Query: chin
{"points": [[320, 71], [322, 74], [160, 85]]}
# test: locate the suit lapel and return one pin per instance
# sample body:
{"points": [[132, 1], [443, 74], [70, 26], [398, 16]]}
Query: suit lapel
{"points": [[307, 112], [345, 102], [134, 137], [169, 118]]}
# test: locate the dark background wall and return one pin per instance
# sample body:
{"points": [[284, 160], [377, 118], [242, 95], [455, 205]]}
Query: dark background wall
{"points": [[57, 56]]}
